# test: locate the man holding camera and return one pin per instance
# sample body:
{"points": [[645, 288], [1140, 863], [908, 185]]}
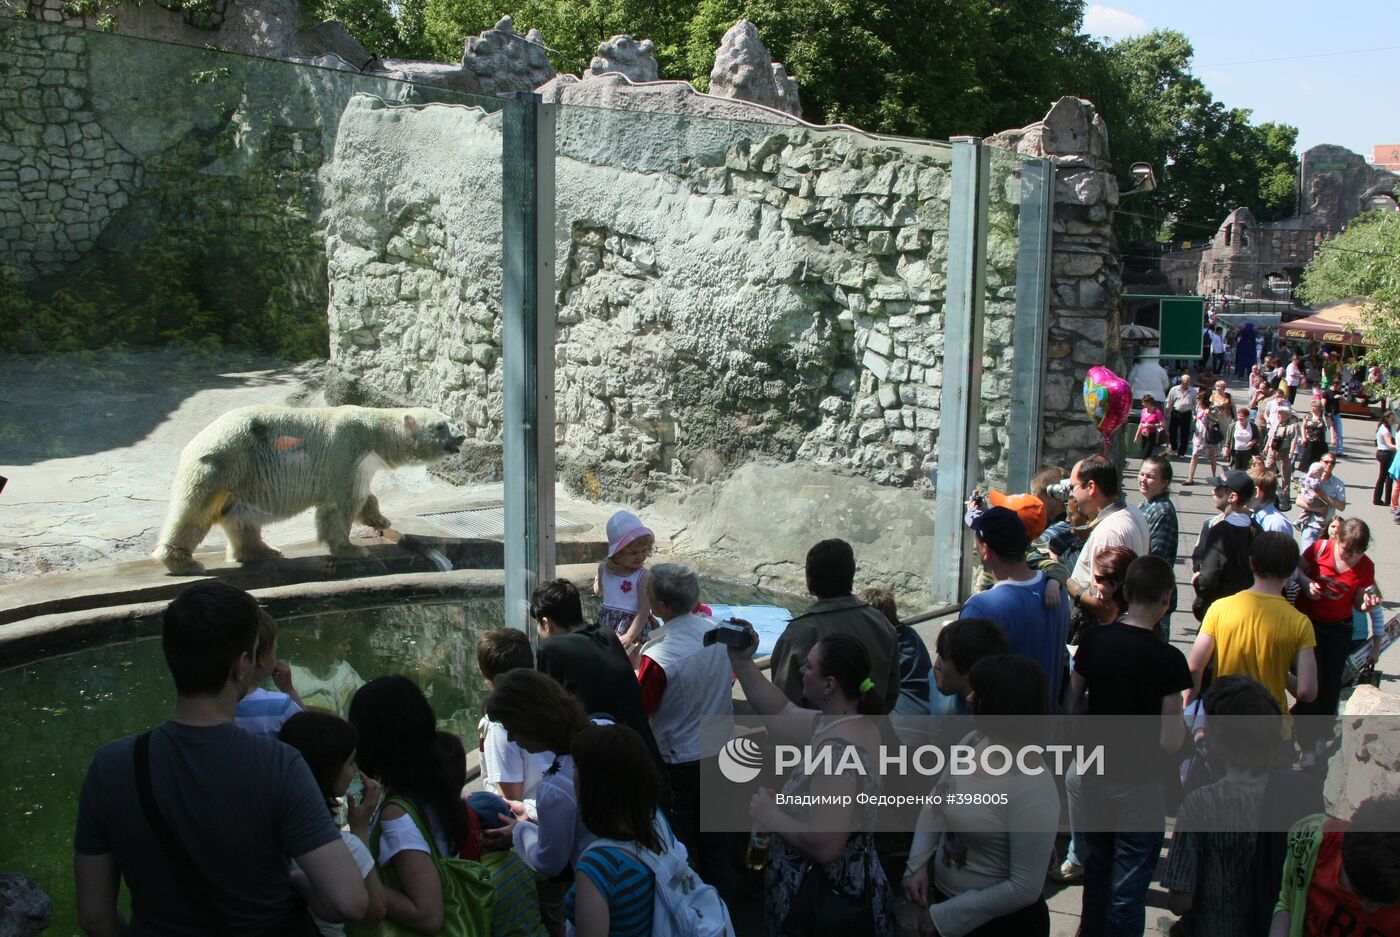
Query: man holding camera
{"points": [[685, 676], [1095, 484]]}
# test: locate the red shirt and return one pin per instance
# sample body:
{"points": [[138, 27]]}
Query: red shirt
{"points": [[1334, 910], [1320, 561], [653, 681]]}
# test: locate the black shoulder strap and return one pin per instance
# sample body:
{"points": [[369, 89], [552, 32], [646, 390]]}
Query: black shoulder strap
{"points": [[175, 850]]}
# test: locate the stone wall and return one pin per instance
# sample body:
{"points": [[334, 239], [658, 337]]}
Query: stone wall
{"points": [[149, 193], [1086, 271], [726, 290], [63, 175]]}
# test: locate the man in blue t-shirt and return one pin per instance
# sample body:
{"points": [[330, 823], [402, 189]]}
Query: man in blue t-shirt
{"points": [[1017, 601]]}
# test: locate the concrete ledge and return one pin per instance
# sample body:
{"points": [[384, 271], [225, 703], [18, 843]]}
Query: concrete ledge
{"points": [[139, 581], [120, 619]]}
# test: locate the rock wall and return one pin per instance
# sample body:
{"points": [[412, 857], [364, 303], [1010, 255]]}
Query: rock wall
{"points": [[63, 175], [1086, 271], [149, 190], [726, 290]]}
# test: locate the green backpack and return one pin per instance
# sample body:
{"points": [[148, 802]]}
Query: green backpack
{"points": [[467, 892]]}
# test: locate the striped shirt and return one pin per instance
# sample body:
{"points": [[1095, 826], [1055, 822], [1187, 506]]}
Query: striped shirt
{"points": [[515, 908], [262, 712], [625, 883]]}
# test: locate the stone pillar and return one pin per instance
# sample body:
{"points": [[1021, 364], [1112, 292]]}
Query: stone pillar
{"points": [[1086, 277]]}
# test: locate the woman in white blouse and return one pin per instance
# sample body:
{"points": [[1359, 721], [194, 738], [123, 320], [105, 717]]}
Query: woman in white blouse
{"points": [[1385, 454]]}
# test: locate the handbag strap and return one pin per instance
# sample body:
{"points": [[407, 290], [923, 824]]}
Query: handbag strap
{"points": [[175, 850]]}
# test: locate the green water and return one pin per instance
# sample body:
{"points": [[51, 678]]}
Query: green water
{"points": [[58, 711]]}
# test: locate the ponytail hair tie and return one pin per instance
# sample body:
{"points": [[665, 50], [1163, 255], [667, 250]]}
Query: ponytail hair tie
{"points": [[867, 685]]}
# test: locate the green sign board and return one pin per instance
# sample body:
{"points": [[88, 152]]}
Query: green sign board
{"points": [[1183, 321]]}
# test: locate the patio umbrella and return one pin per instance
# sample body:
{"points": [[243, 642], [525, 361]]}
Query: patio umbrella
{"points": [[1132, 332]]}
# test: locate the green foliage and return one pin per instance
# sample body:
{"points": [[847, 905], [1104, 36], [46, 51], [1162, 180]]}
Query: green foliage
{"points": [[389, 30], [1209, 158], [1364, 260], [224, 259]]}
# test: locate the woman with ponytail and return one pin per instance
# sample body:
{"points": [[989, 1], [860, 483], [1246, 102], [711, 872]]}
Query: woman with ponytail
{"points": [[807, 844], [398, 746]]}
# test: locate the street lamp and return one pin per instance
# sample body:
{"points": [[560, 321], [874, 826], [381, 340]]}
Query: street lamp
{"points": [[1144, 179]]}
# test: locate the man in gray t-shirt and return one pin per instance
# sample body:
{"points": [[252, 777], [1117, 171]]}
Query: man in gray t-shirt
{"points": [[237, 806]]}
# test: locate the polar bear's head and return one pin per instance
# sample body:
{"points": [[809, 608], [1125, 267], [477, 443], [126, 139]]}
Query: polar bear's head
{"points": [[432, 434]]}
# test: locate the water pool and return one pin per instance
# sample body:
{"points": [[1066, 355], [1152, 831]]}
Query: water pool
{"points": [[58, 711]]}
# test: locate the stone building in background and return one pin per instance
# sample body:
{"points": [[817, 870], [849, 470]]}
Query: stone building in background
{"points": [[1264, 261]]}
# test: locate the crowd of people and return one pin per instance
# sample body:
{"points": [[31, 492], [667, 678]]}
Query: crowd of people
{"points": [[247, 813]]}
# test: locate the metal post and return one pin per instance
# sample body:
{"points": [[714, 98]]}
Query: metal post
{"points": [[527, 339], [962, 369], [1026, 422]]}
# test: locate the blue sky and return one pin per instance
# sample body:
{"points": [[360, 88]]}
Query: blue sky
{"points": [[1350, 100]]}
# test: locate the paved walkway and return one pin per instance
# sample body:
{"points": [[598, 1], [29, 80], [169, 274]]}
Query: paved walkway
{"points": [[1194, 505]]}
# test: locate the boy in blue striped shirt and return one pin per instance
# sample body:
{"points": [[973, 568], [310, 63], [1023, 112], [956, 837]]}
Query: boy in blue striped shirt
{"points": [[262, 712]]}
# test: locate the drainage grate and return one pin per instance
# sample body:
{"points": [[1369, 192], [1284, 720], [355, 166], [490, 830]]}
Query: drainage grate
{"points": [[489, 523]]}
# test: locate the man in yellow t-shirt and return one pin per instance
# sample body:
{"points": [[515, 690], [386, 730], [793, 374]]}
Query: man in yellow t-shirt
{"points": [[1256, 633]]}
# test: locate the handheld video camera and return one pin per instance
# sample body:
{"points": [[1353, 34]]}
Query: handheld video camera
{"points": [[732, 632]]}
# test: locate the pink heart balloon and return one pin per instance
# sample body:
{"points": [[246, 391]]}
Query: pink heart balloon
{"points": [[1107, 399]]}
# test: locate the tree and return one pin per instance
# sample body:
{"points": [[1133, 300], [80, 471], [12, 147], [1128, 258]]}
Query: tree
{"points": [[388, 28], [1364, 260], [1209, 159]]}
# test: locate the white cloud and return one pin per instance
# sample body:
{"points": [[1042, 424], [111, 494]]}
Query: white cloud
{"points": [[1100, 20]]}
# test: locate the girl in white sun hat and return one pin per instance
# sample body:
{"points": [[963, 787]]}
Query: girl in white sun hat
{"points": [[621, 582]]}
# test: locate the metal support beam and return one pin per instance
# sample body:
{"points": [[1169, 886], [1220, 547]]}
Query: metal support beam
{"points": [[958, 469], [527, 355], [1026, 421]]}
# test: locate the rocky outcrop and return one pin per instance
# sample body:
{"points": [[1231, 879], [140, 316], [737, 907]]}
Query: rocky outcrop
{"points": [[267, 28], [1368, 760], [625, 56], [501, 60], [614, 91], [24, 908], [744, 70]]}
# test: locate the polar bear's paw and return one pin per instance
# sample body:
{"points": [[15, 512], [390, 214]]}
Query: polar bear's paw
{"points": [[179, 562], [253, 553]]}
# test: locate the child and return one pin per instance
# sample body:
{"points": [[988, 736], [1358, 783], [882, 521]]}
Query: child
{"points": [[515, 910], [506, 768], [1307, 489], [262, 712], [1242, 731], [915, 668], [1034, 514], [1342, 872], [327, 743], [621, 582]]}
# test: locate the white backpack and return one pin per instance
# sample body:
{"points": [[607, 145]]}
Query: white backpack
{"points": [[684, 906]]}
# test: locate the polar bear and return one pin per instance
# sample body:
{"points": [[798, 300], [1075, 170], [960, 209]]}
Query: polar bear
{"points": [[256, 465]]}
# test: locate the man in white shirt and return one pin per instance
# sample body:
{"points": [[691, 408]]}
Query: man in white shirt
{"points": [[1293, 377], [1181, 402], [1149, 377], [1098, 490], [1329, 497], [1217, 350]]}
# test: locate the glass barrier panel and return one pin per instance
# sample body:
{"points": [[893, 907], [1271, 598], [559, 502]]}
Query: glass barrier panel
{"points": [[749, 341]]}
